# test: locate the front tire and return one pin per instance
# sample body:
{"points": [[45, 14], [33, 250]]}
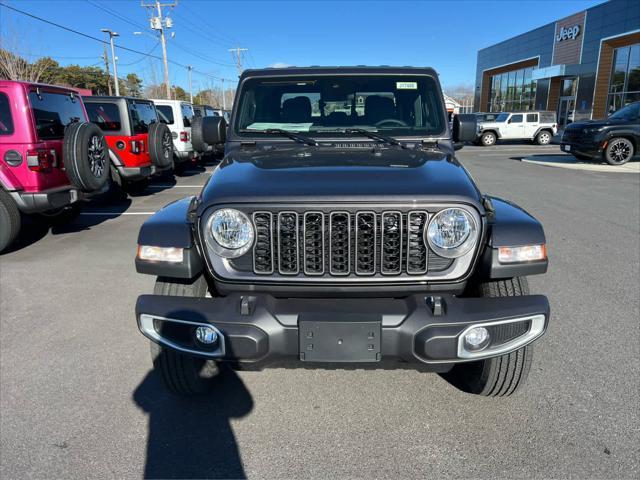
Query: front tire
{"points": [[183, 374], [619, 151], [499, 376], [9, 220], [488, 139]]}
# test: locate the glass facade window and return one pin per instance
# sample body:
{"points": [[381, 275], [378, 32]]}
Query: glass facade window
{"points": [[624, 85], [513, 91]]}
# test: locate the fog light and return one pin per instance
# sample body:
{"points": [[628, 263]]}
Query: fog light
{"points": [[206, 335], [476, 339]]}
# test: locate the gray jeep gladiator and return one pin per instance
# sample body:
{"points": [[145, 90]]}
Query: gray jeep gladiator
{"points": [[340, 231]]}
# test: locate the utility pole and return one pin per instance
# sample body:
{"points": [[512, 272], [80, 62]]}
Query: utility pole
{"points": [[159, 24], [224, 101], [189, 68], [106, 67], [113, 57], [237, 53]]}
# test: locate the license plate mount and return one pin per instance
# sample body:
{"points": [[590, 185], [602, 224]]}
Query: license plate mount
{"points": [[341, 339]]}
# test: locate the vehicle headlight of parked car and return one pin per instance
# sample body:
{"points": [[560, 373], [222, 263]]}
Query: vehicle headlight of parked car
{"points": [[452, 232], [229, 233]]}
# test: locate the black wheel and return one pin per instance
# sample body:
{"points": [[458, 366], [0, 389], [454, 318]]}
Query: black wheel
{"points": [[160, 145], [619, 151], [543, 138], [498, 376], [183, 374], [488, 138], [9, 220], [86, 156]]}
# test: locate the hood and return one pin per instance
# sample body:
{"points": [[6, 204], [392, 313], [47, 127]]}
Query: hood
{"points": [[336, 173], [605, 122]]}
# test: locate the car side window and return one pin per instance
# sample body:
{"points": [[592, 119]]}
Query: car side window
{"points": [[105, 115], [516, 119], [532, 117], [6, 122], [166, 114], [187, 114]]}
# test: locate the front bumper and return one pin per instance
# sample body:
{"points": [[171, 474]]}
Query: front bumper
{"points": [[259, 330], [591, 150]]}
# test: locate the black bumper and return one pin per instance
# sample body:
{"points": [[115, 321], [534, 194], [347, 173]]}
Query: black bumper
{"points": [[259, 330], [35, 202], [591, 150], [135, 173]]}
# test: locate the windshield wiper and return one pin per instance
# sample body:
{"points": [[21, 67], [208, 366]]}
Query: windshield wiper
{"points": [[376, 136], [293, 136]]}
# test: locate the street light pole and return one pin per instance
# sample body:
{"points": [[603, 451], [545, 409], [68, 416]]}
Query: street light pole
{"points": [[113, 58]]}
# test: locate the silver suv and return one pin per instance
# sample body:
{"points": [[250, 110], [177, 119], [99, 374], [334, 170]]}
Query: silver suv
{"points": [[539, 127]]}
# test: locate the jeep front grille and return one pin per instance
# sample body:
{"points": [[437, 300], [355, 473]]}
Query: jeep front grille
{"points": [[342, 243]]}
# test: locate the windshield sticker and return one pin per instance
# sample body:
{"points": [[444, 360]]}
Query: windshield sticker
{"points": [[406, 85], [293, 127]]}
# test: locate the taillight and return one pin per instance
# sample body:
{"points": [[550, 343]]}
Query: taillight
{"points": [[184, 136], [41, 160]]}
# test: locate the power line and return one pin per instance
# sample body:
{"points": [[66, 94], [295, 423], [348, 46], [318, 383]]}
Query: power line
{"points": [[104, 42], [116, 14]]}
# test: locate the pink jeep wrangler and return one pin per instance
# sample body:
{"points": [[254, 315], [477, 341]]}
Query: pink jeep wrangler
{"points": [[50, 155]]}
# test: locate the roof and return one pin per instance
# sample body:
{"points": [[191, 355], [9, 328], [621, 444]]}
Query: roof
{"points": [[97, 98], [341, 70]]}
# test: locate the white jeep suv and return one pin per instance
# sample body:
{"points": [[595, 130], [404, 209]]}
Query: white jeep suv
{"points": [[177, 115], [539, 127]]}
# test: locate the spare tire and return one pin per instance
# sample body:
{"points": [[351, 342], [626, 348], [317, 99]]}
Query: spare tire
{"points": [[160, 145], [197, 135], [85, 156]]}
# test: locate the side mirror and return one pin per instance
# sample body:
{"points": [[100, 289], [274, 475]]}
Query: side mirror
{"points": [[464, 128], [214, 130]]}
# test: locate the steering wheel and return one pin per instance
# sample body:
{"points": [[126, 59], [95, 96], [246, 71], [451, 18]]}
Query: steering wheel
{"points": [[391, 121]]}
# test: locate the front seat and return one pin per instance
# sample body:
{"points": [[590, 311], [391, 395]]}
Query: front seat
{"points": [[378, 108], [296, 110]]}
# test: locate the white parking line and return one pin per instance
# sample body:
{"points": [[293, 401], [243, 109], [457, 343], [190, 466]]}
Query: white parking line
{"points": [[160, 185], [114, 214]]}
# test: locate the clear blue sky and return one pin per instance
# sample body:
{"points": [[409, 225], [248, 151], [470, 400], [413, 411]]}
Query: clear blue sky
{"points": [[444, 35]]}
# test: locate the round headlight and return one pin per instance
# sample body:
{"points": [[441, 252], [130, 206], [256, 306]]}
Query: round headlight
{"points": [[231, 231], [451, 232]]}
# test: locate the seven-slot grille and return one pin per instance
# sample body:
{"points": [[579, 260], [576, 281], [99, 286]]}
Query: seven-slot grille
{"points": [[342, 243]]}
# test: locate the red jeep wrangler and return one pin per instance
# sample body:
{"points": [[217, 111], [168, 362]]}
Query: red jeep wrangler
{"points": [[139, 144], [50, 155]]}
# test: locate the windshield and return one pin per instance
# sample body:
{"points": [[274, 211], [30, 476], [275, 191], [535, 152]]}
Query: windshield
{"points": [[630, 112], [502, 117], [393, 104]]}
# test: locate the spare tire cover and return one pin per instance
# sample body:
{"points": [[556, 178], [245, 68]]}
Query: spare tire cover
{"points": [[160, 145], [85, 156], [197, 135]]}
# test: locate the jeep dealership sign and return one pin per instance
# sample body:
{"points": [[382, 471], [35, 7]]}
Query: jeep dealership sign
{"points": [[568, 33]]}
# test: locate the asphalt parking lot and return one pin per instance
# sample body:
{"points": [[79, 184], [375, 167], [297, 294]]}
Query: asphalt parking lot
{"points": [[77, 398]]}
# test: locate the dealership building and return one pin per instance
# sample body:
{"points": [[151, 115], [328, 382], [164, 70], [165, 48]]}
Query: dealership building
{"points": [[586, 65]]}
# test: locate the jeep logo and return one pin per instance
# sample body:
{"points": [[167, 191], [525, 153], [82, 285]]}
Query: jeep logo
{"points": [[568, 33]]}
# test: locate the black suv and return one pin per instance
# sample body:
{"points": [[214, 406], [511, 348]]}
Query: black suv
{"points": [[340, 231], [615, 139]]}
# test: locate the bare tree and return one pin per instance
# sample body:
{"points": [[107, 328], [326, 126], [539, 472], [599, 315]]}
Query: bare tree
{"points": [[13, 66]]}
